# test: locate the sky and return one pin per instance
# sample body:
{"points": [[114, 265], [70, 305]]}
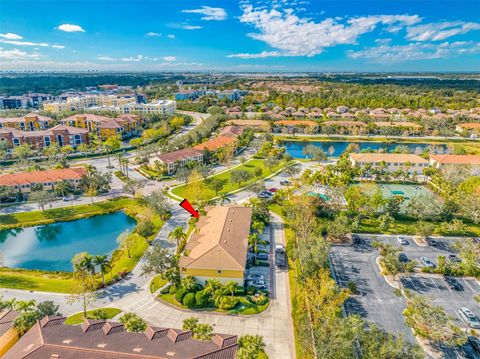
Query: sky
{"points": [[240, 35]]}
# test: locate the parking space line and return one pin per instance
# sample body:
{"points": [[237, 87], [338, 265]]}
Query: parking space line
{"points": [[424, 286], [466, 282], [435, 284], [446, 285]]}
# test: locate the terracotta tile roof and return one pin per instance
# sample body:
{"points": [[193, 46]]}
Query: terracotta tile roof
{"points": [[13, 179], [6, 320], [387, 157], [221, 240], [249, 123], [231, 131], [472, 125], [48, 132], [295, 123], [50, 338], [216, 143], [456, 159], [87, 116], [21, 119], [345, 123], [175, 156], [397, 124]]}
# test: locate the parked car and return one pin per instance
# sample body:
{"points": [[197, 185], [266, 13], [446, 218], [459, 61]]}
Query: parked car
{"points": [[280, 256], [356, 239], [469, 318], [262, 256], [273, 190], [259, 284], [432, 242], [474, 343], [265, 194], [466, 351], [475, 240], [454, 258], [285, 183], [402, 257], [427, 262], [452, 283], [402, 241], [255, 276], [69, 198]]}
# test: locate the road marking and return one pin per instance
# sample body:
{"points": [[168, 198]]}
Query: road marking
{"points": [[446, 284], [435, 284], [469, 286], [424, 286]]}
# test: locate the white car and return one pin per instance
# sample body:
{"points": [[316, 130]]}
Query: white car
{"points": [[259, 284], [469, 318], [255, 276], [402, 241], [427, 262]]}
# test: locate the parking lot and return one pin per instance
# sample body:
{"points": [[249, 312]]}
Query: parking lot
{"points": [[378, 302]]}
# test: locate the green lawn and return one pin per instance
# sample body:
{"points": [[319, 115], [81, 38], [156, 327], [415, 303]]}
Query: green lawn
{"points": [[244, 307], [78, 317], [61, 282], [157, 283], [225, 176], [27, 219]]}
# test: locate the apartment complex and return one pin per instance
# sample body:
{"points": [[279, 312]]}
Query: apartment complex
{"points": [[159, 107], [177, 159], [50, 338], [79, 103], [61, 135], [30, 122], [123, 126], [23, 182], [292, 126], [218, 247], [440, 161], [390, 162]]}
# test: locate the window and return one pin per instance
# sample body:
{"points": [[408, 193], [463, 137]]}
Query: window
{"points": [[16, 142], [219, 271], [47, 141], [77, 139]]}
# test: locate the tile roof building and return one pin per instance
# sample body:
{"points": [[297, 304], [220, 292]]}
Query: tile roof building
{"points": [[23, 181], [50, 338], [8, 334], [218, 247], [216, 143], [290, 126], [231, 131], [260, 124], [454, 160], [30, 122], [176, 159], [390, 162]]}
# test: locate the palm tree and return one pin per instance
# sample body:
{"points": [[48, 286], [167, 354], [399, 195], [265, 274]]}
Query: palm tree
{"points": [[250, 346], [222, 198], [62, 188], [258, 226], [87, 264], [10, 303], [211, 286], [232, 287], [188, 283], [24, 305], [177, 235], [254, 240], [103, 263]]}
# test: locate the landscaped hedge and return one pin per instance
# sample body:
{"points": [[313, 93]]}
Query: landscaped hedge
{"points": [[189, 300], [180, 294]]}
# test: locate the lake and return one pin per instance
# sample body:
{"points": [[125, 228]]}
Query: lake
{"points": [[295, 148], [51, 247]]}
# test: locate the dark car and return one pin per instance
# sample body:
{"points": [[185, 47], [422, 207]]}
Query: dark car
{"points": [[262, 256], [466, 351], [474, 343], [356, 239], [402, 257], [454, 258], [432, 242], [452, 283]]}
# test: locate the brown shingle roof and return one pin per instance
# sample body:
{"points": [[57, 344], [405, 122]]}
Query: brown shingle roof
{"points": [[62, 341], [174, 156], [221, 240], [6, 320], [233, 131]]}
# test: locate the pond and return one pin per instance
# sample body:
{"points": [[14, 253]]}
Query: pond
{"points": [[51, 247], [295, 148]]}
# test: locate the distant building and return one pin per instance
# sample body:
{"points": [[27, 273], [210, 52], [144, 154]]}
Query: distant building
{"points": [[472, 128], [177, 159], [217, 249], [390, 162], [257, 124], [231, 95], [13, 102], [216, 143], [51, 338], [160, 107], [30, 122], [188, 95], [440, 161], [293, 126], [24, 181]]}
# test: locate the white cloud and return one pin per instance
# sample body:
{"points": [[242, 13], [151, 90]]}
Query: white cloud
{"points": [[296, 36], [133, 58], [153, 34], [24, 43], [58, 46], [171, 36], [105, 58], [210, 13], [386, 54], [169, 58], [70, 28], [260, 55], [11, 36], [440, 31], [190, 27], [16, 54]]}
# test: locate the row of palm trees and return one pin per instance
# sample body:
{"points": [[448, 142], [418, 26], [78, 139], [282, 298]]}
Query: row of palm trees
{"points": [[90, 263]]}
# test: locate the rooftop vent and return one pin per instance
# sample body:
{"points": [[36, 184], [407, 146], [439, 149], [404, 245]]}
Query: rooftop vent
{"points": [[55, 356], [171, 354], [102, 345], [137, 349], [67, 341]]}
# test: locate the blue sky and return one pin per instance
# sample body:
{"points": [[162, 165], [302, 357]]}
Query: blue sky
{"points": [[245, 35]]}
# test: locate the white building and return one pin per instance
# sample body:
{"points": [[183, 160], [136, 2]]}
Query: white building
{"points": [[161, 107], [390, 162]]}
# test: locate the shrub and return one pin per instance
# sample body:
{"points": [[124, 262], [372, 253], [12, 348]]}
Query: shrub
{"points": [[99, 314], [227, 302], [133, 323], [189, 300], [166, 290], [180, 294], [251, 290], [172, 289], [260, 299], [202, 299]]}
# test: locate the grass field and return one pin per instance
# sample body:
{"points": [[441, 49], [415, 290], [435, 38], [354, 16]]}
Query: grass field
{"points": [[225, 176], [156, 283], [61, 282], [78, 317]]}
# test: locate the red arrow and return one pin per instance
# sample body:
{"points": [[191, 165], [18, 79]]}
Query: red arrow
{"points": [[189, 208]]}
